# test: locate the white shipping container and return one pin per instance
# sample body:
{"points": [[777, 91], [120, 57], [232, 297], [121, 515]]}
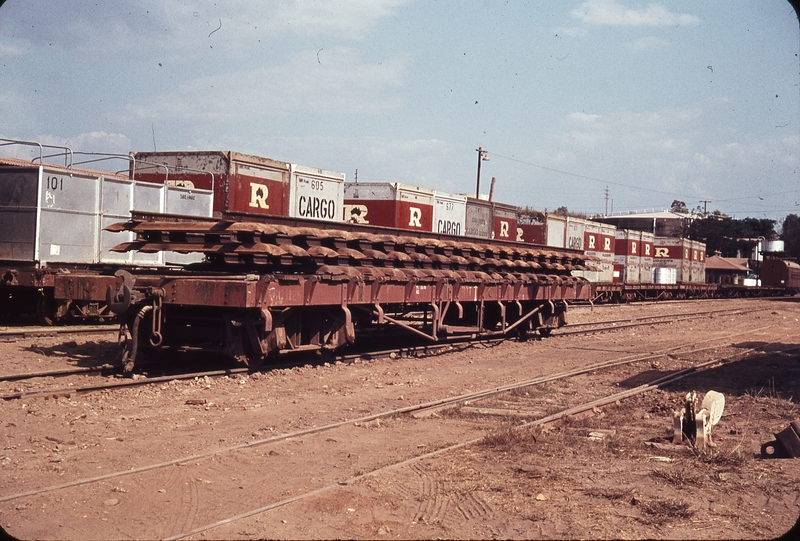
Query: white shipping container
{"points": [[575, 230], [65, 221], [316, 194], [556, 231], [449, 213]]}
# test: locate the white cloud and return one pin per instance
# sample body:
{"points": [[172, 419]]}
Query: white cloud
{"points": [[180, 30], [99, 141], [571, 32], [10, 48], [612, 13], [341, 82], [431, 163], [650, 42], [583, 118]]}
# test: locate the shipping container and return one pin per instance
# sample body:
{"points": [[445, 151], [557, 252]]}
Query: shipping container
{"points": [[389, 204], [240, 182], [504, 221], [628, 255], [56, 215], [556, 231], [316, 194], [449, 213], [646, 258], [599, 241], [698, 261], [686, 256], [479, 218], [576, 228], [531, 227]]}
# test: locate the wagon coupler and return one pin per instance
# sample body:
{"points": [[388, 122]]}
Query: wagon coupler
{"points": [[130, 341]]}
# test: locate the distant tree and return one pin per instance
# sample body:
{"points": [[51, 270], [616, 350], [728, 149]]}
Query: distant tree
{"points": [[790, 235], [528, 215], [730, 236], [564, 211], [678, 206]]}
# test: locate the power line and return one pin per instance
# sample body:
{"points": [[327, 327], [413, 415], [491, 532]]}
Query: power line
{"points": [[591, 178]]}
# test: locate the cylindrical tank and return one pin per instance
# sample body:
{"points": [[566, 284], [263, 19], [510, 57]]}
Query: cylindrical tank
{"points": [[772, 246]]}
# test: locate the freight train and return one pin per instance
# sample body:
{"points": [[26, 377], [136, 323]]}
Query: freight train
{"points": [[260, 257]]}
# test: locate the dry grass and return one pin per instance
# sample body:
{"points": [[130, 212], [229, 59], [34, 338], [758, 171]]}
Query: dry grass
{"points": [[734, 460], [662, 511], [509, 439], [608, 493], [678, 477]]}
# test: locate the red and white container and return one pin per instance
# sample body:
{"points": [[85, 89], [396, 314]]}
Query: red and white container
{"points": [[687, 257], [248, 184], [531, 228], [599, 240], [389, 204], [646, 258], [504, 221], [628, 250]]}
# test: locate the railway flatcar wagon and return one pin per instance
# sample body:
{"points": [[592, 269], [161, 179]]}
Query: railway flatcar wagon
{"points": [[781, 273], [248, 184], [52, 220], [389, 204], [278, 285], [449, 213]]}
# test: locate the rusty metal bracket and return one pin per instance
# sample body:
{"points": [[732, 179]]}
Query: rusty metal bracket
{"points": [[786, 443], [523, 319]]}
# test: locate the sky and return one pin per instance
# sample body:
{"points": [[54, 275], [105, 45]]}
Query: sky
{"points": [[686, 100]]}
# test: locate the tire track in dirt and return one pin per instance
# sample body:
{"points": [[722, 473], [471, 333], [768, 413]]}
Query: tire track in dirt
{"points": [[441, 503]]}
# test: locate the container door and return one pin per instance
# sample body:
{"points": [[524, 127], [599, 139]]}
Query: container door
{"points": [[19, 188], [69, 209], [115, 206]]}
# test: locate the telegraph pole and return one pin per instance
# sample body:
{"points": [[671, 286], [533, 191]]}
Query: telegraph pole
{"points": [[606, 194], [705, 203], [482, 157]]}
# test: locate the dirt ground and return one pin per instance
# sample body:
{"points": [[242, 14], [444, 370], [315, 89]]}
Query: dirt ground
{"points": [[296, 454]]}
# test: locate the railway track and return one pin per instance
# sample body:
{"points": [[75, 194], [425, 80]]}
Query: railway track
{"points": [[13, 334], [420, 349], [422, 410], [579, 408]]}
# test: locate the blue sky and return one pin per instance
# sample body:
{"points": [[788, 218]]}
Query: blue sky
{"points": [[658, 101]]}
